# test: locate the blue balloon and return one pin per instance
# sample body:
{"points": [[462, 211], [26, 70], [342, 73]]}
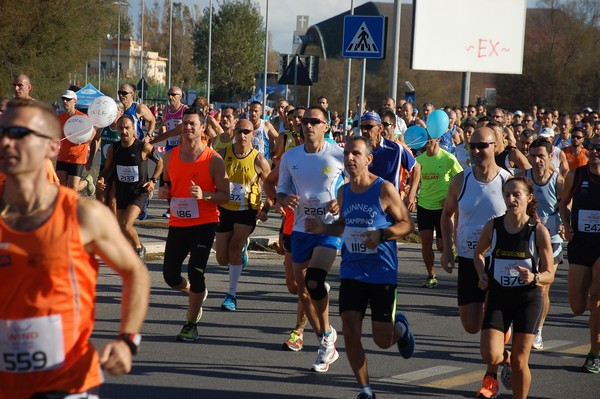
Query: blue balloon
{"points": [[415, 137], [437, 123]]}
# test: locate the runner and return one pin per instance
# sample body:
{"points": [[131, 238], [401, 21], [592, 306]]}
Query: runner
{"points": [[580, 212], [475, 195], [372, 218], [548, 187], [127, 166], [438, 167], [520, 264], [196, 183], [309, 176], [246, 169], [265, 134], [53, 303], [102, 142]]}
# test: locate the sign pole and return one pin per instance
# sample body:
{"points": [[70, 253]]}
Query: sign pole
{"points": [[363, 76], [466, 88], [348, 72], [296, 81]]}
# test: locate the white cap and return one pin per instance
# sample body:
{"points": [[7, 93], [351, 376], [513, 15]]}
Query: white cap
{"points": [[70, 94], [546, 133], [520, 113]]}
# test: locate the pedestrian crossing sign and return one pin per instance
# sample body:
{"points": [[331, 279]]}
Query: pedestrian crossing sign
{"points": [[364, 36]]}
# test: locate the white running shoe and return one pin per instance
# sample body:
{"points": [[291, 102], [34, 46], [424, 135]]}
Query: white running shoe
{"points": [[327, 353], [538, 342]]}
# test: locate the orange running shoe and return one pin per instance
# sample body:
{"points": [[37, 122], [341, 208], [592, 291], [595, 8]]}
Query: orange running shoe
{"points": [[489, 387]]}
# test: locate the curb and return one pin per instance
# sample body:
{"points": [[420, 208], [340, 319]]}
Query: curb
{"points": [[158, 247]]}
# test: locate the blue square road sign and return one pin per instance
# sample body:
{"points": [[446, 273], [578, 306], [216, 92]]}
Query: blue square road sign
{"points": [[364, 36]]}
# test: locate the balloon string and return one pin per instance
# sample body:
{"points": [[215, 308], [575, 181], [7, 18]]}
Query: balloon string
{"points": [[75, 135]]}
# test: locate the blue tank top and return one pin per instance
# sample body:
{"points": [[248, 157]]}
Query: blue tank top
{"points": [[547, 197], [132, 111], [362, 212]]}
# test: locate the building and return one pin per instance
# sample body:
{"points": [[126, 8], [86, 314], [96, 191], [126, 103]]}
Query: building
{"points": [[129, 57]]}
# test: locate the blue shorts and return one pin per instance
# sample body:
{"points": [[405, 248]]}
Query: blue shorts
{"points": [[303, 244]]}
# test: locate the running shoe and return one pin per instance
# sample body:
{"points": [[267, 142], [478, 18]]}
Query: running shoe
{"points": [[507, 335], [143, 215], [91, 187], [365, 396], [591, 365], [245, 253], [294, 342], [431, 282], [141, 251], [538, 342], [489, 388], [327, 353], [189, 332], [506, 376], [200, 312], [406, 343], [229, 303]]}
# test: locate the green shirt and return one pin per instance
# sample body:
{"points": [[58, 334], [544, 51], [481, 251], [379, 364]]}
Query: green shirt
{"points": [[436, 173]]}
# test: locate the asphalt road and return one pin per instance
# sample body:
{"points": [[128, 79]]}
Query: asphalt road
{"points": [[239, 354]]}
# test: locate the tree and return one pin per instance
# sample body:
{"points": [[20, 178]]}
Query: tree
{"points": [[40, 39], [237, 48], [562, 44]]}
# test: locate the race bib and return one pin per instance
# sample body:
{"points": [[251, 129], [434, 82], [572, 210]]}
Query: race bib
{"points": [[128, 174], [314, 204], [33, 344], [589, 221], [237, 193], [507, 274], [468, 245], [353, 239], [184, 208]]}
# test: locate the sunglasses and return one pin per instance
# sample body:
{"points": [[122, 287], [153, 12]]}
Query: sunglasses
{"points": [[123, 93], [18, 132], [312, 121], [482, 145], [527, 120], [593, 147], [243, 131], [172, 94], [66, 99], [577, 137], [386, 124]]}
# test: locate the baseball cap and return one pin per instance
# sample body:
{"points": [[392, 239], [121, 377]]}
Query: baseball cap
{"points": [[70, 94], [587, 110], [546, 133], [370, 116], [519, 113]]}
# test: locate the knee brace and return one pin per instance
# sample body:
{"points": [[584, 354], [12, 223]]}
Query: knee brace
{"points": [[315, 283]]}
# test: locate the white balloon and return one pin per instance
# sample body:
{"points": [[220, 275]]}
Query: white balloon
{"points": [[103, 111], [79, 129]]}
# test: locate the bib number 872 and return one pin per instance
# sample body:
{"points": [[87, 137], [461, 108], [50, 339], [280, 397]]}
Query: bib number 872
{"points": [[24, 361]]}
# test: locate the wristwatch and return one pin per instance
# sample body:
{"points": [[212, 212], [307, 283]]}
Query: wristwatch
{"points": [[153, 180], [133, 341], [536, 279], [382, 237]]}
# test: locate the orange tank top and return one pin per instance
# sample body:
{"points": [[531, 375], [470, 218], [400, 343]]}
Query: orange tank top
{"points": [[185, 210], [69, 152], [47, 296], [576, 161]]}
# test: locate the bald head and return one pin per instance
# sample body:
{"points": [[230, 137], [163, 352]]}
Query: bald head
{"points": [[484, 134], [21, 86]]}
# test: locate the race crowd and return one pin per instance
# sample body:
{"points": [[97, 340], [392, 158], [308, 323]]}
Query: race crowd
{"points": [[498, 192]]}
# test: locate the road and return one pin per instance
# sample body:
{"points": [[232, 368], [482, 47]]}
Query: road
{"points": [[239, 354]]}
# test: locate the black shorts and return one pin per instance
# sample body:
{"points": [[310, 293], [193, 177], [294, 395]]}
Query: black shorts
{"points": [[72, 169], [429, 220], [468, 283], [228, 218], [126, 198], [196, 241], [520, 306], [583, 250], [357, 295], [287, 242]]}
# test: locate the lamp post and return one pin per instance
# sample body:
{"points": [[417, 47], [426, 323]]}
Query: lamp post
{"points": [[266, 60], [142, 55], [170, 39], [209, 52]]}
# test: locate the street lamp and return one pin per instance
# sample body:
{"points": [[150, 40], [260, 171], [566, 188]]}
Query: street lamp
{"points": [[266, 59]]}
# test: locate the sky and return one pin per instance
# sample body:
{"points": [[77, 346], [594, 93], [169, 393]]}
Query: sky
{"points": [[282, 14]]}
